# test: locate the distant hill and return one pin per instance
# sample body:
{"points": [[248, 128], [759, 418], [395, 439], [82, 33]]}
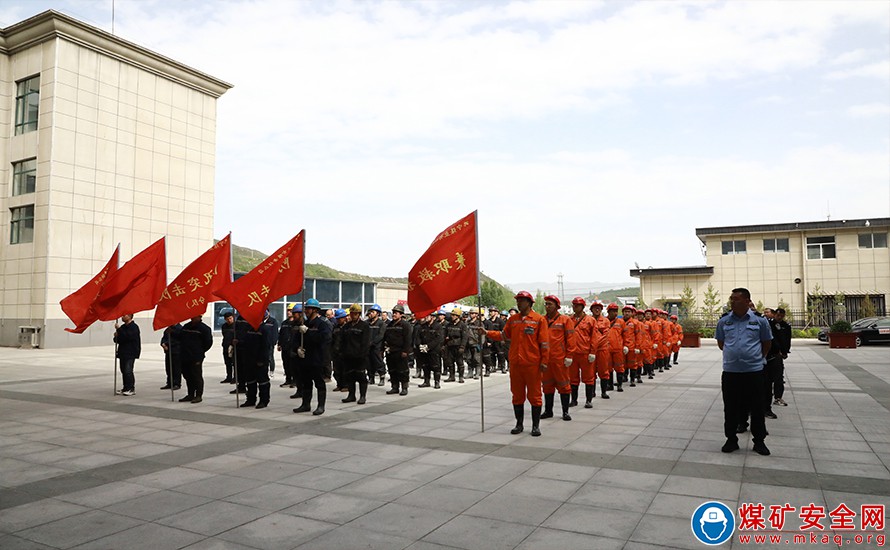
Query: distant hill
{"points": [[571, 287], [244, 259], [612, 295]]}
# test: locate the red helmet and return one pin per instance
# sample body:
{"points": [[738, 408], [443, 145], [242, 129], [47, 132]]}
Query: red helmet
{"points": [[595, 303], [628, 306], [578, 300], [552, 298], [612, 306], [524, 294], [673, 316]]}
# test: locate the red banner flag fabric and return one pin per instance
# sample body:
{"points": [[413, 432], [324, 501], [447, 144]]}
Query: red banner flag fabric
{"points": [[447, 271], [280, 274], [137, 286], [78, 305], [194, 288]]}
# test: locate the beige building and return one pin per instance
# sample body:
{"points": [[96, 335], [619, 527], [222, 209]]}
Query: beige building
{"points": [[101, 142], [796, 263]]}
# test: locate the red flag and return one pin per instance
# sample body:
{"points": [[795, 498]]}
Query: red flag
{"points": [[136, 286], [189, 294], [78, 305], [447, 271], [278, 275]]}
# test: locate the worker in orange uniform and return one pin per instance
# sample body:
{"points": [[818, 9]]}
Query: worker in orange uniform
{"points": [[656, 335], [646, 343], [529, 340], [667, 336], [617, 349], [603, 358], [678, 337], [587, 337], [630, 334], [562, 350]]}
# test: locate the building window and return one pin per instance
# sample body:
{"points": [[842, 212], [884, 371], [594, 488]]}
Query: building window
{"points": [[821, 248], [734, 247], [21, 229], [27, 100], [24, 176], [872, 240], [775, 245]]}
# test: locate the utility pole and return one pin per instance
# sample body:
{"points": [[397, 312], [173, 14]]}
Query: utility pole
{"points": [[560, 289]]}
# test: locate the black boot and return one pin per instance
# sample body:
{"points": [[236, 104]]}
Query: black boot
{"points": [[618, 382], [589, 393], [604, 385], [404, 389], [519, 413], [536, 420], [660, 364], [611, 381], [426, 381], [322, 397], [564, 399], [450, 374], [307, 400], [351, 396], [650, 371], [394, 389], [362, 392], [548, 406], [460, 375], [574, 402], [437, 377], [250, 401], [633, 377], [264, 395]]}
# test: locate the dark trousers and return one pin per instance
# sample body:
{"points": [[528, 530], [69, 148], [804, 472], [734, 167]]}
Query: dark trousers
{"points": [[774, 380], [375, 364], [271, 359], [472, 355], [255, 377], [230, 363], [287, 365], [193, 372], [339, 373], [398, 368], [430, 364], [312, 376], [743, 393], [454, 361], [175, 363], [129, 379]]}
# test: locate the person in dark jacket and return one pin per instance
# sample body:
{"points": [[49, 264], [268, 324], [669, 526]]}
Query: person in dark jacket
{"points": [[376, 367], [228, 334], [196, 339], [285, 333], [775, 362], [475, 342], [296, 342], [355, 342], [129, 348], [316, 342], [397, 339], [251, 354], [455, 344], [340, 318], [269, 328], [172, 357], [430, 335]]}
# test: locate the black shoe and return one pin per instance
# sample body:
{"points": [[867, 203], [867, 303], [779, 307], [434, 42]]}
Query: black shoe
{"points": [[536, 431], [302, 409], [519, 413], [547, 414], [285, 385], [619, 388], [741, 428], [588, 405], [449, 379], [770, 414], [729, 446], [393, 391], [248, 404], [297, 395], [262, 404], [186, 398], [424, 385], [226, 381], [761, 449], [318, 411], [437, 386], [348, 399], [197, 399], [361, 400], [167, 387], [633, 384], [675, 363], [651, 377], [237, 390], [175, 388], [381, 382], [404, 390]]}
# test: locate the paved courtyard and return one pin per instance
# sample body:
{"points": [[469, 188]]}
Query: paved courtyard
{"points": [[82, 468]]}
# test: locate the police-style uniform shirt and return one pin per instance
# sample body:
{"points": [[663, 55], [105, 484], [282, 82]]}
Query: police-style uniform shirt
{"points": [[742, 339]]}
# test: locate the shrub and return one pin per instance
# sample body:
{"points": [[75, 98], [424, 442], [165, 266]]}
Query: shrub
{"points": [[691, 325], [707, 332], [841, 326]]}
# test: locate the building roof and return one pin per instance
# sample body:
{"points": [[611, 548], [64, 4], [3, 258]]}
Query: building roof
{"points": [[51, 24], [791, 227], [668, 271]]}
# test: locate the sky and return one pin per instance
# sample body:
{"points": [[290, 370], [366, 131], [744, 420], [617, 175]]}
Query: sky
{"points": [[589, 135]]}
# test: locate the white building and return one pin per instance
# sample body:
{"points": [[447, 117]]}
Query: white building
{"points": [[101, 142]]}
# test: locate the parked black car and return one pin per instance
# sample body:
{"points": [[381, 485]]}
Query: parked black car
{"points": [[823, 332], [877, 330]]}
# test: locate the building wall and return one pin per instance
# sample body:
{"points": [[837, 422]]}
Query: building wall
{"points": [[125, 154], [389, 294], [770, 276]]}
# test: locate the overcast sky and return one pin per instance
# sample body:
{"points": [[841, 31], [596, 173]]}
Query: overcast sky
{"points": [[589, 135]]}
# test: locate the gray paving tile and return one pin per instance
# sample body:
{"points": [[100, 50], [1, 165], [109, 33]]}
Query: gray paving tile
{"points": [[466, 532], [435, 496], [219, 486], [377, 487], [273, 496], [73, 530], [12, 542], [219, 544], [269, 470], [322, 479], [397, 519], [37, 513], [665, 532], [350, 538], [563, 472], [527, 510], [157, 505], [706, 488], [148, 536], [636, 480], [334, 508], [172, 477], [679, 506], [108, 494], [277, 530], [553, 538], [609, 523], [603, 496], [212, 518]]}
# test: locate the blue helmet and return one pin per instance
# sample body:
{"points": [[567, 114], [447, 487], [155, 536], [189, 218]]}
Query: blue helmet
{"points": [[312, 302], [298, 308], [339, 313], [441, 312], [375, 307], [504, 312]]}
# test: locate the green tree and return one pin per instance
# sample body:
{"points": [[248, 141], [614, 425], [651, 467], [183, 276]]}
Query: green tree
{"points": [[687, 302], [784, 305], [711, 304], [867, 309], [758, 306], [641, 304], [816, 315], [539, 302]]}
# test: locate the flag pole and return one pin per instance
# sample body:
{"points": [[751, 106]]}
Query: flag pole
{"points": [[170, 363], [479, 303], [235, 370]]}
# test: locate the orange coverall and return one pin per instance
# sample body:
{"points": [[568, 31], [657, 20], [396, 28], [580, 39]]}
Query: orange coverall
{"points": [[631, 335], [587, 338], [562, 345], [529, 342], [603, 360], [616, 344], [667, 335], [657, 340], [646, 342], [678, 337]]}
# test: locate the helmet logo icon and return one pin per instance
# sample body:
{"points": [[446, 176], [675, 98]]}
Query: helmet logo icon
{"points": [[713, 523]]}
